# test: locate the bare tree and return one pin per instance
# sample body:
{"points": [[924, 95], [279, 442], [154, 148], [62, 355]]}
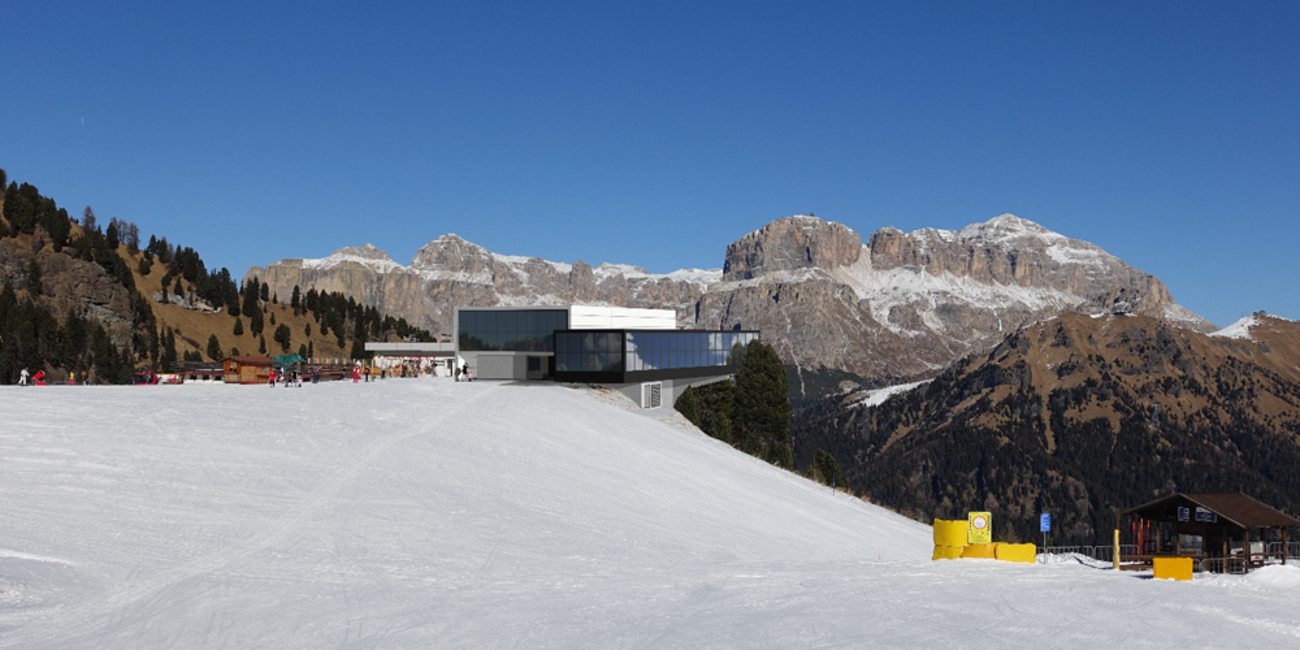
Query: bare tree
{"points": [[88, 218]]}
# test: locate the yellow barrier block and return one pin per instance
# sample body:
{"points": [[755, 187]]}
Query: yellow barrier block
{"points": [[950, 533], [1026, 553], [1173, 568], [947, 553], [987, 551]]}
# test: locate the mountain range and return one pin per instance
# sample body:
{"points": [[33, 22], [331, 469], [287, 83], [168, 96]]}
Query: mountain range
{"points": [[900, 306]]}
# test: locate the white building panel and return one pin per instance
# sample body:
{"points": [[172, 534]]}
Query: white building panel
{"points": [[583, 317]]}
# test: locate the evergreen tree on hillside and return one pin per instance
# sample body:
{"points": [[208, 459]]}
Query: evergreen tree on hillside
{"points": [[168, 360], [34, 286], [826, 470], [214, 348], [763, 406], [282, 336]]}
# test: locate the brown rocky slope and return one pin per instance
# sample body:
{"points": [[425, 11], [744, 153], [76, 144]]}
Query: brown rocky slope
{"points": [[1077, 416]]}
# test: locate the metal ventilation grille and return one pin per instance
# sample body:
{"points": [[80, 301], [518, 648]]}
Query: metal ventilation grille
{"points": [[651, 395]]}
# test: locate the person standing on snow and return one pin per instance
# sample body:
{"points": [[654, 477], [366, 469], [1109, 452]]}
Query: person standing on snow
{"points": [[22, 377]]}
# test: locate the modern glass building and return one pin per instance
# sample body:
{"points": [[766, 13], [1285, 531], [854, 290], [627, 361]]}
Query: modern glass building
{"points": [[514, 330], [638, 351], [627, 356]]}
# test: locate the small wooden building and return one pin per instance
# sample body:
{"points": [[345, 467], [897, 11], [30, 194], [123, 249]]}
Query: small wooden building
{"points": [[1224, 532], [247, 370]]}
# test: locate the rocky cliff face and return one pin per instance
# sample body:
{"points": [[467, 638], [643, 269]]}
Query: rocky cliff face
{"points": [[905, 305], [70, 286], [900, 306], [450, 272]]}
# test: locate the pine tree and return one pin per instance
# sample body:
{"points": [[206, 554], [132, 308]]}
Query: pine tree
{"points": [[168, 360], [763, 406], [282, 336], [239, 326], [34, 286], [688, 404], [826, 469], [214, 348], [261, 345]]}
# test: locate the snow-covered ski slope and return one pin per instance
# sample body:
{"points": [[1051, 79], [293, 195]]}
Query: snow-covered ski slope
{"points": [[430, 514]]}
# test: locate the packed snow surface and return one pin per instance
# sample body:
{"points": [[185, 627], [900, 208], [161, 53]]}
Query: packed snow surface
{"points": [[1240, 329], [881, 395], [430, 514]]}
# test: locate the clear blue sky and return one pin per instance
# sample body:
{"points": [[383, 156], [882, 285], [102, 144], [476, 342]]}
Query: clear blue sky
{"points": [[656, 133]]}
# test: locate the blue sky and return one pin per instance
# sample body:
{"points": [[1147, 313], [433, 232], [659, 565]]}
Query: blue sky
{"points": [[657, 133]]}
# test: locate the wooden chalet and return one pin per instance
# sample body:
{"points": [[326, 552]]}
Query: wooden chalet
{"points": [[1231, 533], [247, 370]]}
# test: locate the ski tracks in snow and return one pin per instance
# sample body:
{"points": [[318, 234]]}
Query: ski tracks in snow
{"points": [[139, 602]]}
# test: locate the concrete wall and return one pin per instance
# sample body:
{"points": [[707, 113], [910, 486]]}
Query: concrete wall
{"points": [[671, 389], [494, 366]]}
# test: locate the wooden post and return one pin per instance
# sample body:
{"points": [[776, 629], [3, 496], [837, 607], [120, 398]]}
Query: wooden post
{"points": [[1284, 547], [1247, 550]]}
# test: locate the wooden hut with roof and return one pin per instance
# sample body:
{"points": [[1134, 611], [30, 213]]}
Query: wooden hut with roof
{"points": [[1224, 532], [247, 370]]}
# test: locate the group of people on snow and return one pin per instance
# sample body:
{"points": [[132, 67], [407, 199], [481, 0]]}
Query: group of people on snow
{"points": [[293, 377]]}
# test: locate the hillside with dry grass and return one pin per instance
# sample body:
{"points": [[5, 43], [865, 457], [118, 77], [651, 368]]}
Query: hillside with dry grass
{"points": [[80, 299]]}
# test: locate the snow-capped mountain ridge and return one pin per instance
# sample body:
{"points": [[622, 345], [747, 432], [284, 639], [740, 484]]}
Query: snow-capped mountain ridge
{"points": [[899, 304], [906, 304]]}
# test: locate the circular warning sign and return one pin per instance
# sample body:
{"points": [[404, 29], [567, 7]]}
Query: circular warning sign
{"points": [[980, 528]]}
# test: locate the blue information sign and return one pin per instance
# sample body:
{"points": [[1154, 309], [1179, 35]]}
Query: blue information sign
{"points": [[1183, 514], [1045, 522]]}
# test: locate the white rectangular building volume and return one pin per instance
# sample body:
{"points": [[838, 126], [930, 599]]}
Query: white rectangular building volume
{"points": [[584, 317]]}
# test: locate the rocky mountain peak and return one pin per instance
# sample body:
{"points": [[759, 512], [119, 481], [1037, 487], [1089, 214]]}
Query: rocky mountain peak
{"points": [[367, 251], [450, 252], [1007, 227], [798, 242]]}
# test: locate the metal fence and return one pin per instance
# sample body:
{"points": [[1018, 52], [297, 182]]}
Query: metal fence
{"points": [[1213, 565], [1222, 565], [1292, 550], [1099, 553]]}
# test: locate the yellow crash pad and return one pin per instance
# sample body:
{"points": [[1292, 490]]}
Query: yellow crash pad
{"points": [[988, 551], [1173, 568], [950, 533], [947, 552], [1026, 553]]}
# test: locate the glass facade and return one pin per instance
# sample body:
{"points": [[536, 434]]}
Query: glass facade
{"points": [[522, 330], [643, 351]]}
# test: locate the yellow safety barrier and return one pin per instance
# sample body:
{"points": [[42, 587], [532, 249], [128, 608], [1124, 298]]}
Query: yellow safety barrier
{"points": [[1173, 568], [947, 553], [950, 533], [988, 551], [1026, 553]]}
